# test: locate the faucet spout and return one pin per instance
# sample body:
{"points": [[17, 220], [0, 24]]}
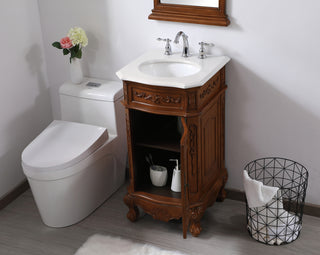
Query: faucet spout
{"points": [[185, 50]]}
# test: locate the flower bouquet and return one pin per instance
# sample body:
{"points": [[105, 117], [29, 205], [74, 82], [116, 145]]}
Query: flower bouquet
{"points": [[73, 43]]}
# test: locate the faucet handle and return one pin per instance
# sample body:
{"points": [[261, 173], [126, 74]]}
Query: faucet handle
{"points": [[202, 52], [167, 48]]}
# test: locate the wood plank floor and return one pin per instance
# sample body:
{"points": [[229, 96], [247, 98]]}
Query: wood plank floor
{"points": [[224, 231]]}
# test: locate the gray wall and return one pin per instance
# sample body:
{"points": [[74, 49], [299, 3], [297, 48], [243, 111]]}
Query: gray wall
{"points": [[24, 99]]}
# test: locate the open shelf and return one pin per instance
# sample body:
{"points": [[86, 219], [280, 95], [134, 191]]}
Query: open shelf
{"points": [[169, 144], [160, 191], [142, 170], [156, 131], [159, 136]]}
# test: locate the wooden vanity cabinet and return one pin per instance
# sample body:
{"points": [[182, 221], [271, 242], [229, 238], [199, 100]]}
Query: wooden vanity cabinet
{"points": [[153, 115]]}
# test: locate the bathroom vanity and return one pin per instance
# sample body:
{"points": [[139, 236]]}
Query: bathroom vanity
{"points": [[177, 115]]}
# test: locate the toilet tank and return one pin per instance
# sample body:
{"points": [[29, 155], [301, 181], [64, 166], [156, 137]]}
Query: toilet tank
{"points": [[100, 106]]}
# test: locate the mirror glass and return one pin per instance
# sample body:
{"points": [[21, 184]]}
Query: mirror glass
{"points": [[205, 3]]}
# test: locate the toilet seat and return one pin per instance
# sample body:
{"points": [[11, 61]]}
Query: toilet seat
{"points": [[61, 145]]}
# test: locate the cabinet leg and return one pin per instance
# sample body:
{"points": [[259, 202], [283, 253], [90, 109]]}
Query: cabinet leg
{"points": [[195, 215], [222, 193], [133, 213], [184, 227], [195, 228]]}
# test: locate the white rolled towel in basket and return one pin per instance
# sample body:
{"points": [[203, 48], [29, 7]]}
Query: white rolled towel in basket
{"points": [[257, 193], [274, 224]]}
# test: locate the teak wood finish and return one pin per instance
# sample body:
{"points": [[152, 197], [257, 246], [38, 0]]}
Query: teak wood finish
{"points": [[203, 172], [191, 14]]}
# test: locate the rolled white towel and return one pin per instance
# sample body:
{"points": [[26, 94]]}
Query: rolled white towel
{"points": [[269, 222], [257, 193], [273, 225]]}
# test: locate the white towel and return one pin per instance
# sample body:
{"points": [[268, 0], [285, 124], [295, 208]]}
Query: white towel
{"points": [[257, 193], [269, 222], [273, 225]]}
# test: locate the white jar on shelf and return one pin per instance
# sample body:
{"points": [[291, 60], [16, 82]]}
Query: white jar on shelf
{"points": [[158, 175]]}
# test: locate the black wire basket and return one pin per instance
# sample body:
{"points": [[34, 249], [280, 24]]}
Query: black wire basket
{"points": [[279, 221]]}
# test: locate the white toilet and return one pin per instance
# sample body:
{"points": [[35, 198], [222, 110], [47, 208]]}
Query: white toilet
{"points": [[76, 163]]}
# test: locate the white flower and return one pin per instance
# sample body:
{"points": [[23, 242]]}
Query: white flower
{"points": [[78, 36]]}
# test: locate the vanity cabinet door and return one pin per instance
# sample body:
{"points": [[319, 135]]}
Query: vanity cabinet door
{"points": [[210, 146], [204, 151]]}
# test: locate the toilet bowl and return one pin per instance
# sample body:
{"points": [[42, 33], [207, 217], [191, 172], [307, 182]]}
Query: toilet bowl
{"points": [[73, 167]]}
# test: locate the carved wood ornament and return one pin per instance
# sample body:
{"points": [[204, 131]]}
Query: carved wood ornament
{"points": [[193, 154], [157, 99], [195, 215], [207, 90]]}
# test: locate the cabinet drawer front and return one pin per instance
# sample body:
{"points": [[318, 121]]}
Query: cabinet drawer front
{"points": [[156, 98]]}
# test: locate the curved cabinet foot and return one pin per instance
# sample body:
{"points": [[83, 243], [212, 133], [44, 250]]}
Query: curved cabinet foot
{"points": [[133, 213], [195, 228], [222, 193], [195, 215]]}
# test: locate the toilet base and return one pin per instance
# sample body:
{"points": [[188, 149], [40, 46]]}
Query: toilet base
{"points": [[66, 201]]}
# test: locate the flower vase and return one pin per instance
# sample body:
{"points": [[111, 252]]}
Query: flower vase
{"points": [[76, 74]]}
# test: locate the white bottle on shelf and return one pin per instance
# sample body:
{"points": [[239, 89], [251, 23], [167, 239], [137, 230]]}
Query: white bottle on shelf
{"points": [[176, 177]]}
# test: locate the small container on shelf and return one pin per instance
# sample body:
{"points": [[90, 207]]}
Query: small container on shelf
{"points": [[176, 177], [158, 175]]}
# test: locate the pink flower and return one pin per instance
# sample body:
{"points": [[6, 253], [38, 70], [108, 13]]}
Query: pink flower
{"points": [[66, 43]]}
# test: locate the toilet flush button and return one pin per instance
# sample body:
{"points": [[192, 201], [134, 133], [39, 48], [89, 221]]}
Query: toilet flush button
{"points": [[93, 84]]}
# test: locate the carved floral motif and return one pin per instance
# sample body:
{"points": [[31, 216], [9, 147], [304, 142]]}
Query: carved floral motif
{"points": [[196, 213], [208, 89], [193, 146], [192, 101], [157, 99]]}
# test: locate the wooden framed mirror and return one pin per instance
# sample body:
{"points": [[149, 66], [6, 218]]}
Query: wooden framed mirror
{"points": [[208, 12]]}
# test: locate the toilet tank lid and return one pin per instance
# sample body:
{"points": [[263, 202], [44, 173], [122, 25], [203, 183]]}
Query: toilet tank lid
{"points": [[109, 91]]}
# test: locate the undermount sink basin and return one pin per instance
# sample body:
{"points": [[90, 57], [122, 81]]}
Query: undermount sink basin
{"points": [[169, 69], [155, 68]]}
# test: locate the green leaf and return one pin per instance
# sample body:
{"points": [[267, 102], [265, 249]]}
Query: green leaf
{"points": [[76, 48], [73, 53], [79, 54], [57, 45], [65, 51]]}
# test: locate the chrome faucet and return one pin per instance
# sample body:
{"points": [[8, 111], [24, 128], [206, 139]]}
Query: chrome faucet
{"points": [[185, 49]]}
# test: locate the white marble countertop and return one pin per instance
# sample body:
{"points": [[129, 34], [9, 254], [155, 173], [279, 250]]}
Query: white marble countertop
{"points": [[207, 68]]}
